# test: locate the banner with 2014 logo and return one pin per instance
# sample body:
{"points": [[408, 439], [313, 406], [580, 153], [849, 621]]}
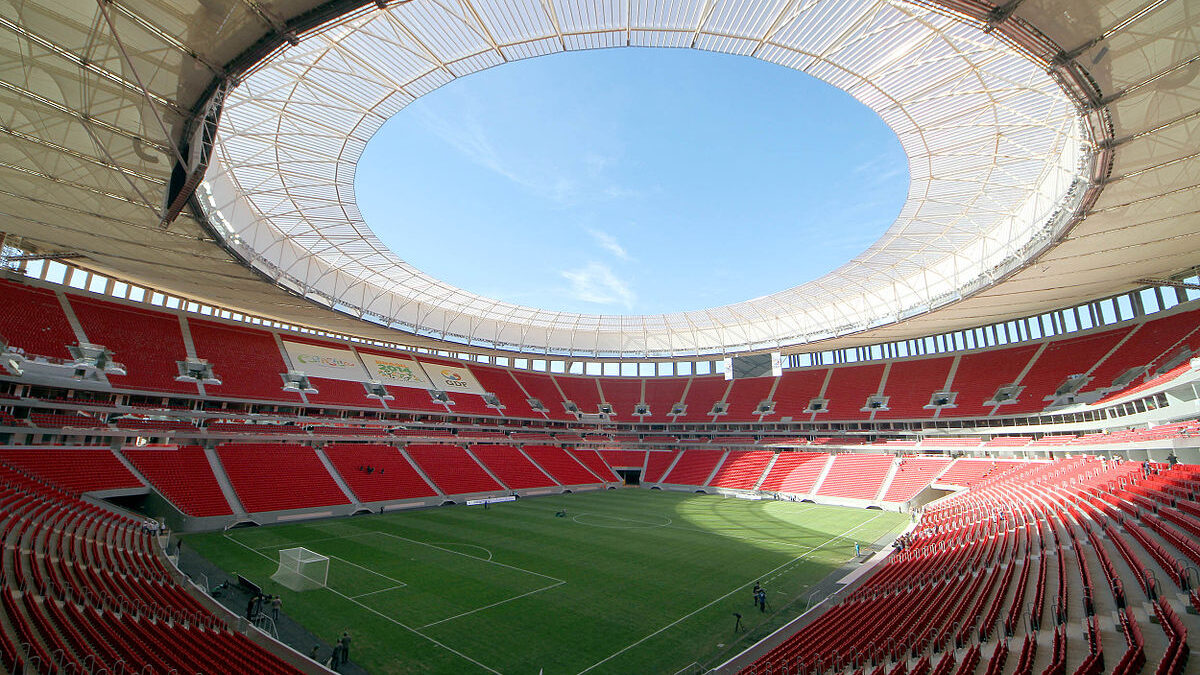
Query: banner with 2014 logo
{"points": [[335, 364], [399, 372]]}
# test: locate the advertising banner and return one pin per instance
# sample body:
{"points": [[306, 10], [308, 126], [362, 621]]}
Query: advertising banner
{"points": [[397, 371], [336, 364], [452, 378]]}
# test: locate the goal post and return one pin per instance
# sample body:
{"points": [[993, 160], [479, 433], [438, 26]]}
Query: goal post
{"points": [[301, 569]]}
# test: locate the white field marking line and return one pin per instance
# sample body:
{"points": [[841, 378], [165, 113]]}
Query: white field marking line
{"points": [[455, 543], [465, 555], [494, 604], [647, 525], [334, 557], [306, 543], [385, 616], [670, 524], [736, 590], [371, 571], [390, 588]]}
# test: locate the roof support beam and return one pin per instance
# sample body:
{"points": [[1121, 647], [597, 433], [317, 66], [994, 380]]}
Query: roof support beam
{"points": [[1168, 282]]}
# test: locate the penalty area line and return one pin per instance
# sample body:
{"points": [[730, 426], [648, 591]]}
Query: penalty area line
{"points": [[494, 604], [382, 590], [384, 616], [468, 555]]}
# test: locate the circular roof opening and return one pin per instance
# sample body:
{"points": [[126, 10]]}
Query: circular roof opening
{"points": [[998, 160], [632, 181]]}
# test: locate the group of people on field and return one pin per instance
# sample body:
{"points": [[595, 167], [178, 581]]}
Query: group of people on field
{"points": [[259, 604], [760, 597], [341, 652]]}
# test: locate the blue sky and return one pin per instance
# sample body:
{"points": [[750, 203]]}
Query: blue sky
{"points": [[632, 181]]}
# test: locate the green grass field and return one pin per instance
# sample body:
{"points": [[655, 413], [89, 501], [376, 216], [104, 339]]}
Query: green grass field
{"points": [[631, 581]]}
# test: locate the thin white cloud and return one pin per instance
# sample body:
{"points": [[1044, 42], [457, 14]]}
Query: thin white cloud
{"points": [[467, 135], [609, 243], [596, 282]]}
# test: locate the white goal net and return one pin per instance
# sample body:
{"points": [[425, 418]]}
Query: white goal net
{"points": [[301, 569]]}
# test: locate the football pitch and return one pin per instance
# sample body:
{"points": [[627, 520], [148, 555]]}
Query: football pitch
{"points": [[629, 581]]}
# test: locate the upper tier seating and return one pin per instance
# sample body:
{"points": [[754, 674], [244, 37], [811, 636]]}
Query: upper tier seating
{"points": [[543, 388], [795, 472], [33, 319], [452, 469], [246, 360], [184, 476], [404, 398], [583, 392], [910, 386], [848, 389], [702, 393], [511, 467], [661, 394], [410, 398], [558, 463], [1148, 345], [1061, 359], [1152, 382], [147, 342], [465, 403], [278, 476], [391, 475], [625, 393], [74, 469], [856, 476], [694, 467], [500, 382], [744, 397], [741, 469], [795, 390], [980, 374], [341, 393]]}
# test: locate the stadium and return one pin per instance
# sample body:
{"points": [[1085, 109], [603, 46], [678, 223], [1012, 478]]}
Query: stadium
{"points": [[239, 433]]}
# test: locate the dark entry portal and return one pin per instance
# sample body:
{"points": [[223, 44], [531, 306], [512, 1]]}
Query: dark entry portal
{"points": [[630, 476]]}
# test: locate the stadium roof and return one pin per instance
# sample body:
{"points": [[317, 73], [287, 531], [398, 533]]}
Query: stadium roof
{"points": [[1051, 144]]}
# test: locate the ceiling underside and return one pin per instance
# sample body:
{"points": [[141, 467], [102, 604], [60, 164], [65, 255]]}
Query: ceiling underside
{"points": [[95, 99]]}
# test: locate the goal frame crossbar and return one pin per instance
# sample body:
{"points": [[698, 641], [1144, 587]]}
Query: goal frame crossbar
{"points": [[301, 569]]}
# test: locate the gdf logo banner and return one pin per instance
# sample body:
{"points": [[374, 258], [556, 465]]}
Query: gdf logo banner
{"points": [[453, 378]]}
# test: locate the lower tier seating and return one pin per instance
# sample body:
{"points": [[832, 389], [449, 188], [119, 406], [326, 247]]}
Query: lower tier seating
{"points": [[1028, 556], [452, 469], [77, 470], [84, 590], [278, 476], [377, 472], [182, 475]]}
